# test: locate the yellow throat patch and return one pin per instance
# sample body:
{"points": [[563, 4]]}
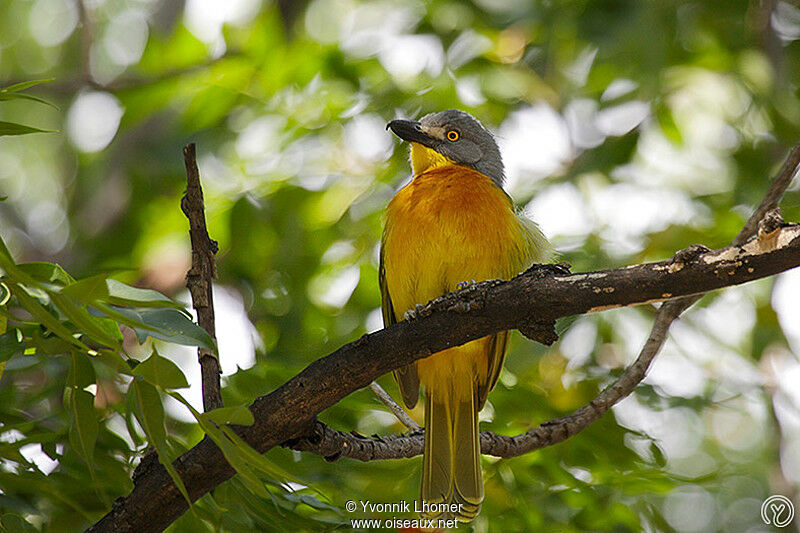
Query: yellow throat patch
{"points": [[424, 159]]}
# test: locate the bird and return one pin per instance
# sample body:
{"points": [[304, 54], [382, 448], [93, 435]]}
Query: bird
{"points": [[452, 225]]}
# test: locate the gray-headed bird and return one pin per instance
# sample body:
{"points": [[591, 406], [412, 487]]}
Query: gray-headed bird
{"points": [[452, 224]]}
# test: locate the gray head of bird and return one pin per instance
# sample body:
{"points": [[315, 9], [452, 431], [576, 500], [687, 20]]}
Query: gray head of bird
{"points": [[456, 135]]}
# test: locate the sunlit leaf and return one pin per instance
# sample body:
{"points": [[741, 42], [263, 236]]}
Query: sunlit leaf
{"points": [[25, 96], [45, 317], [149, 411], [102, 330], [125, 295], [5, 294], [666, 121], [88, 290], [165, 324], [233, 454], [81, 371], [21, 86], [12, 128], [161, 371], [256, 459], [83, 426], [48, 272], [113, 360], [13, 523]]}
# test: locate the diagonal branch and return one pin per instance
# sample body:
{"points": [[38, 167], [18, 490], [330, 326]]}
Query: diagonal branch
{"points": [[333, 444], [396, 410]]}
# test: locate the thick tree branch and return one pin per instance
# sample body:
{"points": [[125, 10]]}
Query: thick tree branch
{"points": [[333, 444], [199, 279], [485, 308]]}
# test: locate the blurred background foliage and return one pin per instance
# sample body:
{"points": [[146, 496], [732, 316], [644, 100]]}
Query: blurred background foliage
{"points": [[630, 129]]}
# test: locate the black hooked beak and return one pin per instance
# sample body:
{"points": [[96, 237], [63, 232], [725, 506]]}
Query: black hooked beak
{"points": [[410, 130]]}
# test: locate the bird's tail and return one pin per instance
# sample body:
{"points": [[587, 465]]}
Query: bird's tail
{"points": [[452, 484]]}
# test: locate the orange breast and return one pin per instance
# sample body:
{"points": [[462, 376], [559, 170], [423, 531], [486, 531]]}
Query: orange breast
{"points": [[450, 224]]}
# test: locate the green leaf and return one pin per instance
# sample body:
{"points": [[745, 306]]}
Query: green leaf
{"points": [[149, 411], [255, 459], [239, 454], [10, 344], [5, 294], [24, 85], [12, 271], [47, 272], [44, 316], [162, 372], [14, 523], [5, 254], [125, 295], [658, 455], [311, 501], [83, 427], [88, 290], [24, 96], [166, 324], [12, 128], [130, 409], [100, 288], [232, 453], [239, 415], [102, 330], [668, 125], [3, 326], [81, 371], [6, 351], [112, 359]]}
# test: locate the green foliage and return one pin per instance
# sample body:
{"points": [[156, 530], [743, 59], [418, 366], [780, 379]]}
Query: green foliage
{"points": [[287, 105], [14, 92]]}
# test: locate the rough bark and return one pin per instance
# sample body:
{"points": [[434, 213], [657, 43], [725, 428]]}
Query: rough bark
{"points": [[199, 279]]}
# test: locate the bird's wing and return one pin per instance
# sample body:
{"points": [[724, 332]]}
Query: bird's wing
{"points": [[537, 250], [495, 355], [406, 377]]}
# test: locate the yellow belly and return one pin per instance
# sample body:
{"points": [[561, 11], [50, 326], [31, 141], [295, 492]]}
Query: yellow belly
{"points": [[449, 225]]}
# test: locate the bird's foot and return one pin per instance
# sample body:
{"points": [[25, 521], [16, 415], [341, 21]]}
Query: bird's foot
{"points": [[465, 284], [411, 314]]}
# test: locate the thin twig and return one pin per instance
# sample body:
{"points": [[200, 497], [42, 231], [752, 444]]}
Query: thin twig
{"points": [[200, 277], [671, 310], [777, 188], [389, 402]]}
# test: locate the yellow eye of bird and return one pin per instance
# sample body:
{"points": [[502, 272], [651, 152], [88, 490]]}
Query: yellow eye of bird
{"points": [[452, 135]]}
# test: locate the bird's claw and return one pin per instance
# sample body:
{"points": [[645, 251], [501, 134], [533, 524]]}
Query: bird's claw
{"points": [[465, 284], [411, 314]]}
